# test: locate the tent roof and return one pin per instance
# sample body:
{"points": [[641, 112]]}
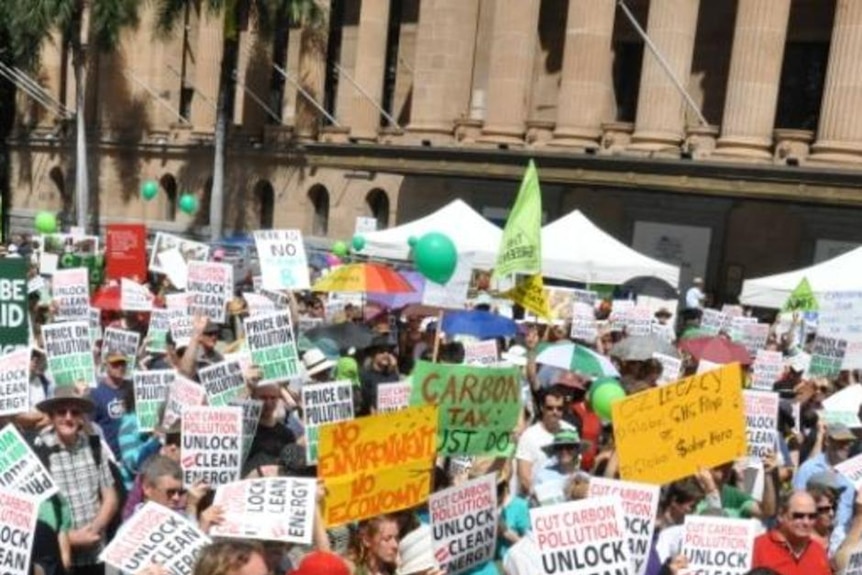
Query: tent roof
{"points": [[837, 274], [574, 248], [470, 231]]}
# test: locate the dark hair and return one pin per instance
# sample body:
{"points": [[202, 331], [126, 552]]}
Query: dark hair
{"points": [[683, 491], [557, 391]]}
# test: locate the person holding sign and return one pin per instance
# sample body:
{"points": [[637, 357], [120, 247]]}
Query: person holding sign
{"points": [[201, 350], [789, 549]]}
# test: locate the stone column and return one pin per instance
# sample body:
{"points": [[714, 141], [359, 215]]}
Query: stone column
{"points": [[364, 118], [511, 72], [586, 86], [839, 135], [443, 68], [208, 54], [312, 78], [755, 74], [660, 121]]}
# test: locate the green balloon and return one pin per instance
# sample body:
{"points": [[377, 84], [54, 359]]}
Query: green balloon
{"points": [[411, 241], [149, 190], [604, 397], [435, 257], [340, 249], [188, 204], [46, 223], [599, 382], [358, 243]]}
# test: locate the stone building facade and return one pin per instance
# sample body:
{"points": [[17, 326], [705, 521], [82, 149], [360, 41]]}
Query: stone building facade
{"points": [[394, 107]]}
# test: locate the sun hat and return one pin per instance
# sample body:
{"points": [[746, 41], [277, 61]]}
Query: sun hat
{"points": [[323, 563], [315, 361], [416, 552], [114, 356], [516, 355], [66, 396], [564, 438]]}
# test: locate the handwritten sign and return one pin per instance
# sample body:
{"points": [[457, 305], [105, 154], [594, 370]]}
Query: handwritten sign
{"points": [[761, 418], [479, 406], [378, 464], [718, 545], [670, 432], [151, 392], [211, 449], [393, 396], [20, 468], [272, 346], [210, 288], [324, 403], [464, 524], [283, 263], [69, 353], [223, 381], [71, 292], [671, 367], [17, 529], [639, 321], [15, 382], [854, 562]]}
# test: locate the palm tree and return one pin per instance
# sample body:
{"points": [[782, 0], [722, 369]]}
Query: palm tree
{"points": [[268, 15]]}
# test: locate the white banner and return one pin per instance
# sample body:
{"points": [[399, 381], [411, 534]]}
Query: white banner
{"points": [[283, 263]]}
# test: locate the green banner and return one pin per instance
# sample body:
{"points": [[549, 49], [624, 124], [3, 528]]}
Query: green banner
{"points": [[14, 325], [478, 406], [801, 299], [521, 245]]}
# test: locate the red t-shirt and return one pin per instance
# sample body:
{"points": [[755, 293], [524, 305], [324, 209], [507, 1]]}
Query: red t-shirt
{"points": [[771, 550]]}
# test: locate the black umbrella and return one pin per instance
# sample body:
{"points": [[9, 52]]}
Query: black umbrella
{"points": [[345, 334], [650, 286]]}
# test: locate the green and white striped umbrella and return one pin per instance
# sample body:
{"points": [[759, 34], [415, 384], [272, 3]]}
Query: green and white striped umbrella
{"points": [[577, 358]]}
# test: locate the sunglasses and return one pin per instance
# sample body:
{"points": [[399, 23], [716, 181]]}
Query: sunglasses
{"points": [[554, 408], [824, 509], [73, 411], [797, 516], [174, 492]]}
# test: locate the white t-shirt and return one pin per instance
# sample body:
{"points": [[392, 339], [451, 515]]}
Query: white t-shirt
{"points": [[533, 440], [694, 298]]}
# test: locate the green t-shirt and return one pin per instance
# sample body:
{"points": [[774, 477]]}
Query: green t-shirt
{"points": [[734, 501], [48, 513]]}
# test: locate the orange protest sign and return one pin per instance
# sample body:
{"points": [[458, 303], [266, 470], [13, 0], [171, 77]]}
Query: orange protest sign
{"points": [[378, 464], [670, 432]]}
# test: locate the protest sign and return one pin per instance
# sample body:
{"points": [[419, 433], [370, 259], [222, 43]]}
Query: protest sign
{"points": [[761, 419], [584, 303], [640, 505], [211, 449], [66, 251], [737, 326], [481, 352], [560, 302], [126, 252], [258, 304], [123, 341], [713, 321], [620, 309], [718, 545], [283, 263], [177, 301], [377, 464], [14, 308], [71, 292], [210, 288], [639, 321], [155, 535], [188, 251], [160, 325], [364, 225], [840, 316], [69, 352], [17, 531], [584, 329], [223, 381], [842, 416], [464, 524], [767, 369], [15, 382], [182, 328], [251, 409], [95, 326], [393, 396], [753, 336], [827, 355], [270, 508], [479, 406], [655, 433], [663, 331], [852, 470], [151, 393], [529, 293], [272, 345], [452, 294], [20, 468], [849, 399], [670, 367], [182, 393], [324, 403], [134, 296], [854, 561], [801, 298], [586, 536]]}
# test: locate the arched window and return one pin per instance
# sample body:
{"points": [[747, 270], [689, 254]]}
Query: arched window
{"points": [[319, 198], [264, 197], [378, 206], [169, 184]]}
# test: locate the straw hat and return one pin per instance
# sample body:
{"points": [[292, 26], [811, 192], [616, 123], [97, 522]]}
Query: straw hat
{"points": [[315, 361], [416, 552], [66, 396]]}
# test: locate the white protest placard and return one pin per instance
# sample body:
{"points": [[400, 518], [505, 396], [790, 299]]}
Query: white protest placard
{"points": [[178, 301], [123, 341], [584, 328], [671, 367], [134, 296], [151, 393], [211, 449], [464, 524], [854, 561], [364, 225], [620, 310], [753, 336], [393, 396], [852, 470], [737, 326], [283, 263], [663, 332], [210, 288], [183, 393], [223, 381], [15, 382], [761, 419], [718, 545], [155, 534], [71, 292], [70, 353], [270, 508], [48, 263], [586, 536], [481, 352], [452, 294], [182, 329], [848, 399], [767, 369], [639, 321], [166, 245], [95, 326], [258, 304], [17, 531], [550, 492], [324, 403], [640, 505], [584, 303], [160, 326], [20, 468], [272, 345], [251, 409], [713, 321], [840, 316]]}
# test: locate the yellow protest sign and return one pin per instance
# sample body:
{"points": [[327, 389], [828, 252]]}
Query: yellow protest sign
{"points": [[669, 432], [530, 293], [378, 464]]}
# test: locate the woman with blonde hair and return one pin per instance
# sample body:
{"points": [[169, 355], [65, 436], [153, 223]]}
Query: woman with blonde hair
{"points": [[374, 548]]}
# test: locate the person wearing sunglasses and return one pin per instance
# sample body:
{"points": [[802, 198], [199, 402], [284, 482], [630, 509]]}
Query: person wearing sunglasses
{"points": [[790, 548], [530, 453]]}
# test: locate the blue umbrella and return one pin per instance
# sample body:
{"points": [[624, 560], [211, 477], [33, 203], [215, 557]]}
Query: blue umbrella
{"points": [[478, 323]]}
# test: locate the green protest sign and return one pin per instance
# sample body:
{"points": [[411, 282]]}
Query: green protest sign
{"points": [[478, 406], [14, 325], [70, 353], [273, 347], [802, 298]]}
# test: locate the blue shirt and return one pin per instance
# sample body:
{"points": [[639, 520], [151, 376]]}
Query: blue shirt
{"points": [[110, 408], [844, 511]]}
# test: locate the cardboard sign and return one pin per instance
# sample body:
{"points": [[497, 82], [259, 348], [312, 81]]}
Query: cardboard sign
{"points": [[17, 529], [852, 470], [767, 369], [670, 432], [21, 469], [271, 508], [640, 505], [223, 382], [155, 534], [183, 393], [122, 341], [71, 292], [452, 294], [160, 325], [377, 464], [126, 252], [718, 545], [273, 347], [69, 353], [210, 288], [135, 297], [14, 308], [761, 418], [827, 355], [251, 409], [671, 367], [283, 263], [393, 396], [168, 245], [481, 353], [15, 382], [464, 524], [151, 393], [479, 406], [586, 536], [324, 403], [211, 448]]}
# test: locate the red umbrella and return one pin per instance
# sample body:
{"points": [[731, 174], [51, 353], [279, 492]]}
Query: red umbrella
{"points": [[716, 349], [107, 298]]}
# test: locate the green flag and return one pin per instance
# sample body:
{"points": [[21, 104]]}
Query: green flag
{"points": [[801, 299], [521, 246]]}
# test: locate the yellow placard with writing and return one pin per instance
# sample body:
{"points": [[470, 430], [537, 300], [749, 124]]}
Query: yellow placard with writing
{"points": [[529, 293], [669, 432], [378, 464]]}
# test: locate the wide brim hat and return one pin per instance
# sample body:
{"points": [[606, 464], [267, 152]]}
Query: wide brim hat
{"points": [[416, 552], [315, 361], [564, 438], [66, 396], [516, 355]]}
